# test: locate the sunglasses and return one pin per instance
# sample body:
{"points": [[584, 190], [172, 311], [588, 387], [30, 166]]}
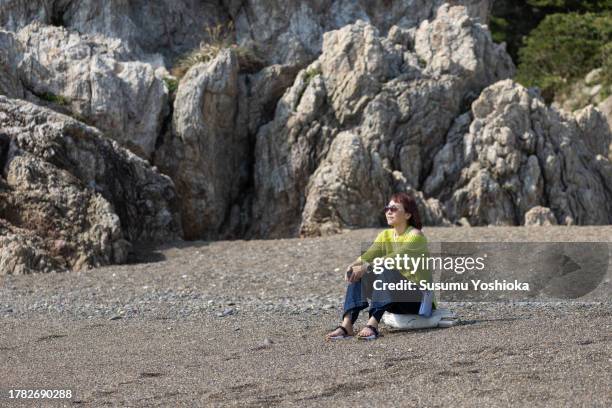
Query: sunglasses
{"points": [[391, 208]]}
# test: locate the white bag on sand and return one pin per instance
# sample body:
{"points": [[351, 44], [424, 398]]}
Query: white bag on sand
{"points": [[438, 318]]}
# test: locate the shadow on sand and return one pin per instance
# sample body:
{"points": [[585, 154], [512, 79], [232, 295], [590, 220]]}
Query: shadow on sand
{"points": [[151, 252]]}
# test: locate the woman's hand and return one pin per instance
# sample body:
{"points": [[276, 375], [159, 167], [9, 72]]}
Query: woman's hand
{"points": [[357, 272], [348, 272]]}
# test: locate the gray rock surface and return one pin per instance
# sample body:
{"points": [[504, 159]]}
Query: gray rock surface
{"points": [[146, 26], [10, 49], [356, 102], [287, 32], [590, 90], [34, 203], [97, 60], [606, 108], [539, 215], [370, 105], [516, 153], [16, 14], [93, 78], [292, 32], [207, 151], [70, 197]]}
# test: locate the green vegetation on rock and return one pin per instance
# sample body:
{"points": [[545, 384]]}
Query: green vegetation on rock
{"points": [[171, 84], [562, 6], [218, 38], [53, 98], [555, 43], [311, 73], [563, 49]]}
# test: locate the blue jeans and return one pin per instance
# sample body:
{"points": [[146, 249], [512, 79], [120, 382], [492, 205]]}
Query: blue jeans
{"points": [[400, 302]]}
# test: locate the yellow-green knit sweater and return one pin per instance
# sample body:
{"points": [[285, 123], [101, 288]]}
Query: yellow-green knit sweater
{"points": [[409, 243]]}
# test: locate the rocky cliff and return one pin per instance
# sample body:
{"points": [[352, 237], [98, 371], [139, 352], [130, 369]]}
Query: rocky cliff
{"points": [[70, 197], [100, 146]]}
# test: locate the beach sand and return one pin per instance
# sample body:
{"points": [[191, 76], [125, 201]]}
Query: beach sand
{"points": [[242, 323]]}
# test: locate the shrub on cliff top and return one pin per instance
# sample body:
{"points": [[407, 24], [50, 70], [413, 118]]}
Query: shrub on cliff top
{"points": [[564, 48], [218, 38]]}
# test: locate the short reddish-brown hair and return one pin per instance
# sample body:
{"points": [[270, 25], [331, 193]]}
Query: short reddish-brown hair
{"points": [[410, 206]]}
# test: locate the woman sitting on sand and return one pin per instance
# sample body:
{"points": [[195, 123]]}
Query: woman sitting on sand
{"points": [[404, 238]]}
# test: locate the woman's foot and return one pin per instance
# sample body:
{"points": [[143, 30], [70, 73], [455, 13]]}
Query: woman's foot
{"points": [[340, 332], [344, 331], [368, 333]]}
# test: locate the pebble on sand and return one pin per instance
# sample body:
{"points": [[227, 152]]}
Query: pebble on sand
{"points": [[226, 312]]}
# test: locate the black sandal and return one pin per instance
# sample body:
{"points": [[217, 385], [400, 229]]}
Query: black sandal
{"points": [[372, 336], [341, 336]]}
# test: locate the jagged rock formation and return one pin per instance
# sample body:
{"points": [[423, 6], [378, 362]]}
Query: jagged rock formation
{"points": [[606, 108], [97, 61], [292, 32], [70, 198], [10, 49], [353, 103], [208, 150], [370, 105], [208, 154], [539, 215], [591, 90], [287, 32], [92, 78], [513, 153], [145, 26]]}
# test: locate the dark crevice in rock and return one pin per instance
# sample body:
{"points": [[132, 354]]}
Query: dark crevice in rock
{"points": [[5, 142], [56, 17], [238, 222], [235, 219], [468, 99], [166, 126]]}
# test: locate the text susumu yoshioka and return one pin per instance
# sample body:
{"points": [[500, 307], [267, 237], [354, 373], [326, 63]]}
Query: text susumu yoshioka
{"points": [[457, 264], [473, 284]]}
